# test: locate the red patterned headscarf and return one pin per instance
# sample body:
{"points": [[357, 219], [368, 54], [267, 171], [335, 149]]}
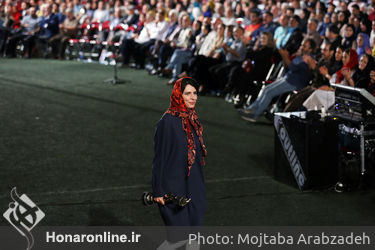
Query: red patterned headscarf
{"points": [[353, 61], [189, 118]]}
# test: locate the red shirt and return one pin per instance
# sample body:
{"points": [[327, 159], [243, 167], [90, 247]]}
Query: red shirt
{"points": [[17, 16], [253, 27]]}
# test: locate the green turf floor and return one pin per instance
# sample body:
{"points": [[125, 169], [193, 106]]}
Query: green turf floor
{"points": [[83, 150]]}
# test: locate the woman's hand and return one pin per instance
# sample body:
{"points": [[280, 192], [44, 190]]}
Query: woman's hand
{"points": [[346, 73], [348, 77], [159, 200]]}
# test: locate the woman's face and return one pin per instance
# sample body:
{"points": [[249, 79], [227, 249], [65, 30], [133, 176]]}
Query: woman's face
{"points": [[228, 32], [221, 30], [326, 18], [204, 30], [363, 27], [196, 25], [360, 41], [341, 17], [238, 9], [334, 18], [263, 40], [349, 31], [186, 21], [362, 62], [345, 58], [338, 54], [190, 96]]}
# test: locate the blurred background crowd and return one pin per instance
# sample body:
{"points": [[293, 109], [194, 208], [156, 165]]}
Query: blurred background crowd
{"points": [[233, 48]]}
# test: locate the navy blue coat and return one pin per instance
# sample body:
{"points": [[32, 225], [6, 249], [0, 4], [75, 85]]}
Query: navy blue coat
{"points": [[49, 26], [169, 173]]}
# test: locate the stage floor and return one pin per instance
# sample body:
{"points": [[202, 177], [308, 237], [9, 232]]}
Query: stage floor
{"points": [[82, 150]]}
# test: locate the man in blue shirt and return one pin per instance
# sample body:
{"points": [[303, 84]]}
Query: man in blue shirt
{"points": [[296, 78], [49, 26], [281, 32], [49, 23], [268, 24]]}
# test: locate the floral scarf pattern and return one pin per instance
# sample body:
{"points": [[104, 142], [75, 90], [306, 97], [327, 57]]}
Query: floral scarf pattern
{"points": [[189, 118]]}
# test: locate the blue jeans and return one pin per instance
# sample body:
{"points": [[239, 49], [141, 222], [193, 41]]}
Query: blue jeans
{"points": [[178, 58], [276, 88]]}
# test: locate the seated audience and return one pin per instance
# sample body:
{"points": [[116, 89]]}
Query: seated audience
{"points": [[49, 26], [349, 61], [234, 53], [296, 78], [68, 30], [140, 44], [30, 27], [255, 68]]}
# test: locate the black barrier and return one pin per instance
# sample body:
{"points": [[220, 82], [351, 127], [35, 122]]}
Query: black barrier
{"points": [[306, 151]]}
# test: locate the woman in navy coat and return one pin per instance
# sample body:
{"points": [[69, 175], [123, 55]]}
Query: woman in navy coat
{"points": [[179, 157]]}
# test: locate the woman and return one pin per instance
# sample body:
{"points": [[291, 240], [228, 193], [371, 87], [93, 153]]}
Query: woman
{"points": [[179, 157], [349, 37], [365, 26], [363, 43], [357, 25], [338, 59], [324, 25], [342, 20], [325, 97], [361, 76], [349, 61], [334, 18]]}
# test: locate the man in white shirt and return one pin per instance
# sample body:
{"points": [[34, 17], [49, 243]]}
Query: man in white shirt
{"points": [[141, 44], [229, 19], [101, 14], [161, 50]]}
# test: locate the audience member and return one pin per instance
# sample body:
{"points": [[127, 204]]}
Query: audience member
{"points": [[296, 78]]}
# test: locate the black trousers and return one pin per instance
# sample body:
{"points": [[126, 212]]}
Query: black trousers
{"points": [[222, 74], [242, 83], [27, 40], [199, 70], [129, 48]]}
